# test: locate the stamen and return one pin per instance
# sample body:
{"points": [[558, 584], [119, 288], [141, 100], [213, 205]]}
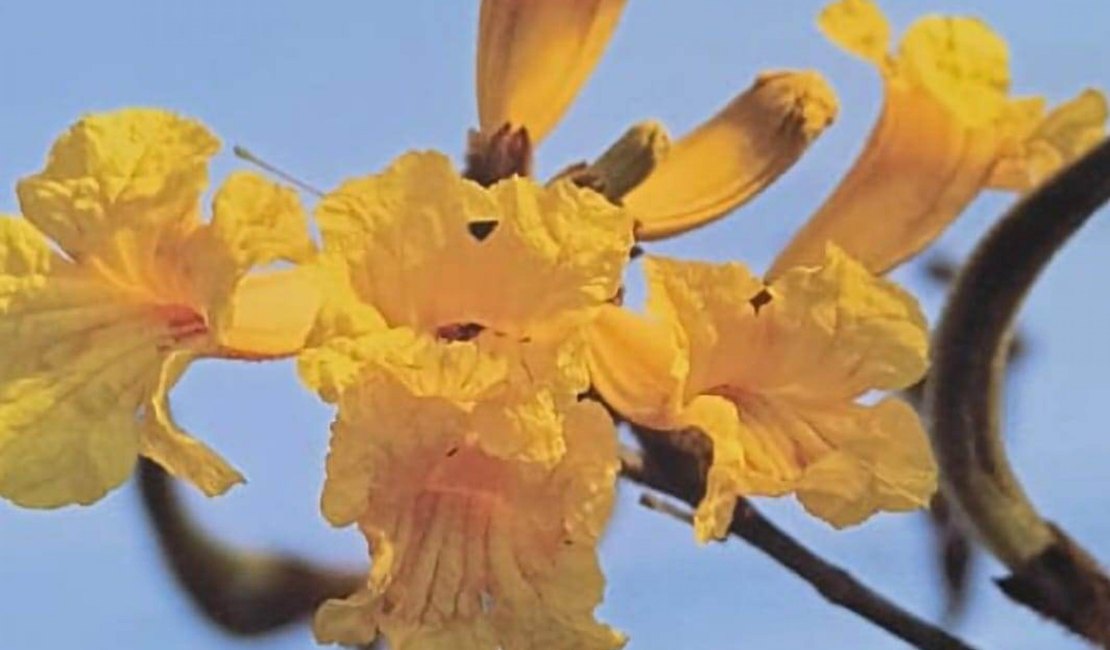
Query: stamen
{"points": [[243, 153]]}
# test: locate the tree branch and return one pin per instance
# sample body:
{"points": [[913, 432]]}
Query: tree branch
{"points": [[835, 584], [245, 593], [1051, 573]]}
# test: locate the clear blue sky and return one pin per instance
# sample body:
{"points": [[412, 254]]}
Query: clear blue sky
{"points": [[337, 89]]}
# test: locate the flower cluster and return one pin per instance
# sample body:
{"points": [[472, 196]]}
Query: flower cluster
{"points": [[468, 326]]}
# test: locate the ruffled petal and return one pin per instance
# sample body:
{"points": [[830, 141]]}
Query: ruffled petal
{"points": [[141, 170], [732, 157], [836, 332], [859, 27], [534, 57], [1053, 140], [882, 462]]}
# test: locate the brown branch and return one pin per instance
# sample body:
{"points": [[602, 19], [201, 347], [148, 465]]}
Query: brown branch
{"points": [[955, 546], [245, 593], [835, 584], [1051, 573]]}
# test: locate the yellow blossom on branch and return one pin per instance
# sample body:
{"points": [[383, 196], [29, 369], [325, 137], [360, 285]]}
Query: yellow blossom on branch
{"points": [[773, 375], [515, 271], [94, 333], [948, 130], [470, 549]]}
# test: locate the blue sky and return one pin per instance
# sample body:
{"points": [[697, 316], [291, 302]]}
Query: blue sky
{"points": [[332, 90]]}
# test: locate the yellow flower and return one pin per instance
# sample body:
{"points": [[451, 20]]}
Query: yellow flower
{"points": [[515, 271], [534, 56], [95, 333], [470, 550], [948, 130], [773, 375]]}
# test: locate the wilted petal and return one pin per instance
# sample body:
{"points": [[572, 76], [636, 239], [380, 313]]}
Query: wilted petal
{"points": [[535, 55], [733, 156]]}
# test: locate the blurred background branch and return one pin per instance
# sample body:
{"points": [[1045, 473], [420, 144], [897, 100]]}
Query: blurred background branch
{"points": [[1050, 572], [244, 592], [955, 547]]}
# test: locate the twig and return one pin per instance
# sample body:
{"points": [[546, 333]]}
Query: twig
{"points": [[835, 584], [245, 593], [1051, 573]]}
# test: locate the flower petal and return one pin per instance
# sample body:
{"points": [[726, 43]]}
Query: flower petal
{"points": [[727, 477], [882, 462], [838, 332], [137, 169], [1053, 140], [77, 368], [258, 222], [859, 27], [636, 366], [733, 156], [534, 57], [176, 451], [270, 314], [928, 156]]}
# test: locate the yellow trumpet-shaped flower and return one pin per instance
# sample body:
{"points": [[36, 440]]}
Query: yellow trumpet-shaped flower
{"points": [[948, 130], [470, 550], [94, 334], [515, 271], [773, 375]]}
